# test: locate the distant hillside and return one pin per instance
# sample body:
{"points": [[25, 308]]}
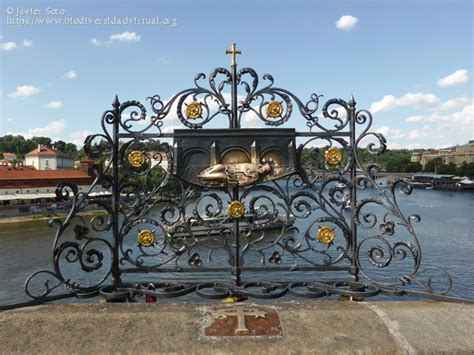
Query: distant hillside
{"points": [[20, 146]]}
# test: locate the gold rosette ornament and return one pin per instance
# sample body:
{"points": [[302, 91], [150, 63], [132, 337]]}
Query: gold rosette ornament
{"points": [[193, 110], [274, 109], [236, 209], [333, 156], [146, 237], [326, 235], [136, 159]]}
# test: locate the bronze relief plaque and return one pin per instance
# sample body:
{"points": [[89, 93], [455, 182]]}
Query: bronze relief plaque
{"points": [[232, 158]]}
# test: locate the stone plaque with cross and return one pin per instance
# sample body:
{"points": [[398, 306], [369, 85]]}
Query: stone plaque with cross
{"points": [[240, 320]]}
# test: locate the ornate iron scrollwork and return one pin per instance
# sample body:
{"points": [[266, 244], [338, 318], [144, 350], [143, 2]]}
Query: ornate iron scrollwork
{"points": [[289, 208]]}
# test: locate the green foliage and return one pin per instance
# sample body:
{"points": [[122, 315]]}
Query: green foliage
{"points": [[394, 161], [412, 167], [466, 169], [60, 145], [21, 146], [447, 169], [433, 165], [71, 149], [15, 144], [46, 141]]}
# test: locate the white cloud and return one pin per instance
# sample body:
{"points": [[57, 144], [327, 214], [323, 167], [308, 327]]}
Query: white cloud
{"points": [[386, 104], [125, 37], [417, 100], [96, 42], [457, 78], [347, 22], [24, 91], [8, 46], [454, 104], [71, 74], [389, 132], [462, 119], [52, 129], [78, 137], [54, 105], [27, 43], [417, 118], [392, 145], [396, 133], [433, 130], [251, 120]]}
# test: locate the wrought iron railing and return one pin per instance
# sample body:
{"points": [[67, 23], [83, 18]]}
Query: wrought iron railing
{"points": [[269, 202]]}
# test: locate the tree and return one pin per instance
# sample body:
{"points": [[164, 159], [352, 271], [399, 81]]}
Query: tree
{"points": [[394, 160], [433, 165], [469, 171], [395, 165], [46, 141], [60, 145], [70, 149], [447, 169], [413, 167], [466, 169]]}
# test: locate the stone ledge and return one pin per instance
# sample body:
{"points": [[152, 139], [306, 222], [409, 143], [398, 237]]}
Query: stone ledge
{"points": [[308, 326]]}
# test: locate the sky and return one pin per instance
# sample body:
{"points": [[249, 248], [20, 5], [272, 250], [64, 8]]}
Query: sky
{"points": [[408, 62]]}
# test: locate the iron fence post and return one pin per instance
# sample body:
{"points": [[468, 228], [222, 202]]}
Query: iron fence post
{"points": [[115, 192], [353, 173], [235, 124]]}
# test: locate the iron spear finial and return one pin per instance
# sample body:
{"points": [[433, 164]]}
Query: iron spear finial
{"points": [[352, 101], [233, 51], [116, 102]]}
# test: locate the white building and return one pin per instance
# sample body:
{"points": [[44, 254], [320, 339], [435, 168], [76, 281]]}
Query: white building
{"points": [[44, 158]]}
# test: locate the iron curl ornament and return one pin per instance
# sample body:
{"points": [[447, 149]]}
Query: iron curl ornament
{"points": [[308, 203]]}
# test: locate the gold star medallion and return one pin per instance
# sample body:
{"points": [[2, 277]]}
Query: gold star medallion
{"points": [[333, 156], [136, 159], [193, 110], [236, 209], [274, 109], [146, 237], [326, 235]]}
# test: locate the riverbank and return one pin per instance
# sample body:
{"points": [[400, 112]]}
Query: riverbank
{"points": [[306, 327], [45, 218]]}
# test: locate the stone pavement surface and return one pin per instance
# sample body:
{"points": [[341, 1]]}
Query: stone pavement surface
{"points": [[325, 327]]}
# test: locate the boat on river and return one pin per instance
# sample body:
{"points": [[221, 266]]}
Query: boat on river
{"points": [[212, 226], [442, 182]]}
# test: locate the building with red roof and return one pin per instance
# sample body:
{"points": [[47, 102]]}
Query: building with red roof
{"points": [[45, 158], [25, 185]]}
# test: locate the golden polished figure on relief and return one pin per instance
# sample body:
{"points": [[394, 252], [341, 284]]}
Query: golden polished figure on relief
{"points": [[193, 110], [136, 159], [274, 109], [236, 209], [146, 237], [333, 156], [326, 235], [235, 174]]}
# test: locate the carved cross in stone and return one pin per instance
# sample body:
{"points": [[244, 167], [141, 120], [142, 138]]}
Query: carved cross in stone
{"points": [[240, 313]]}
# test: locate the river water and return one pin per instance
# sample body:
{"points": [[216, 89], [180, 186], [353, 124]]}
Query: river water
{"points": [[445, 234]]}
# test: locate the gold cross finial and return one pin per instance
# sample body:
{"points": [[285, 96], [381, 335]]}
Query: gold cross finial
{"points": [[233, 51]]}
